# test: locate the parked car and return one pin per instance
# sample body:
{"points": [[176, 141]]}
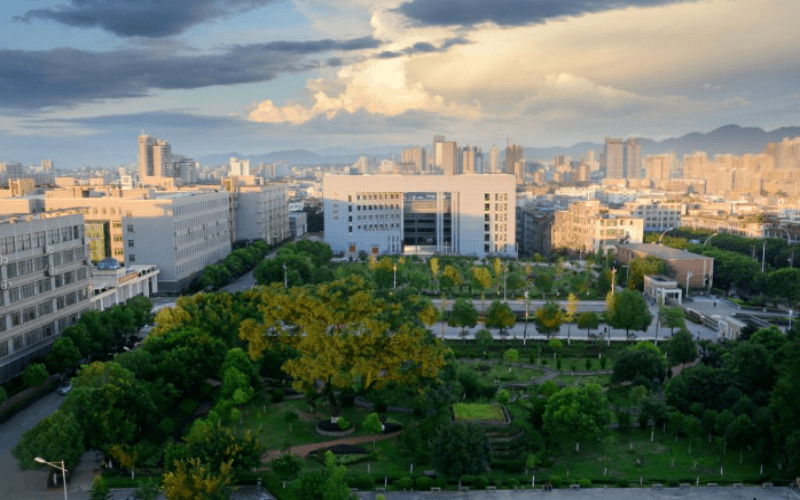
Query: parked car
{"points": [[65, 387]]}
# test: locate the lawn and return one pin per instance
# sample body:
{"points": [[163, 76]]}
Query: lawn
{"points": [[600, 380], [661, 460], [470, 412], [503, 373]]}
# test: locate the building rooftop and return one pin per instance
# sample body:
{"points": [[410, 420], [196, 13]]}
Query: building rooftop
{"points": [[663, 252]]}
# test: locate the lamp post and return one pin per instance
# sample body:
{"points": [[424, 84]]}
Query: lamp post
{"points": [[790, 321], [505, 275], [689, 274], [285, 276], [55, 466], [525, 333], [394, 268], [709, 238], [662, 234]]}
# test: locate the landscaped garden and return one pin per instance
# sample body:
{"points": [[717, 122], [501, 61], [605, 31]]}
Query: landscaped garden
{"points": [[474, 412]]}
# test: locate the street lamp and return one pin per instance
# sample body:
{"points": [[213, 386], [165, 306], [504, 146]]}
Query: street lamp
{"points": [[709, 238], [525, 333], [394, 268], [662, 234], [505, 274], [790, 321], [55, 466], [285, 277], [689, 274]]}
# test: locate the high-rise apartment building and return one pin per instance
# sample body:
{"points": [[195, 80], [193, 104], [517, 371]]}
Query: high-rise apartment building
{"points": [[158, 165], [44, 284], [416, 156], [632, 159], [514, 155], [47, 166], [450, 158], [437, 151], [239, 167], [614, 158], [494, 160], [394, 214], [471, 160], [12, 169], [261, 212], [659, 167]]}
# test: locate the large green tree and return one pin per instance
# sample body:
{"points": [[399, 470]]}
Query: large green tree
{"points": [[548, 318], [464, 315], [55, 438], [64, 355], [639, 267], [638, 363], [577, 413], [588, 320], [682, 348], [500, 316], [460, 450], [628, 310], [672, 318], [344, 337]]}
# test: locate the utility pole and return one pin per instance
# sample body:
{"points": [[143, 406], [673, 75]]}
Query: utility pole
{"points": [[763, 255], [613, 280]]}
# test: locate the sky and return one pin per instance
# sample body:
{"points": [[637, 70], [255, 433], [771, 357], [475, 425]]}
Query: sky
{"points": [[80, 79]]}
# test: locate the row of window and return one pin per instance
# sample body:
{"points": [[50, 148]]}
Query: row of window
{"points": [[374, 196], [199, 262], [22, 316], [28, 290], [27, 266], [39, 239], [497, 196], [28, 339], [69, 255], [190, 208]]}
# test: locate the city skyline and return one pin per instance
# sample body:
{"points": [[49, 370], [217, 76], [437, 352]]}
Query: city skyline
{"points": [[257, 76]]}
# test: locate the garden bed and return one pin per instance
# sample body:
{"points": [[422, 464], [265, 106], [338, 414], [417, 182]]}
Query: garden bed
{"points": [[481, 414], [328, 428]]}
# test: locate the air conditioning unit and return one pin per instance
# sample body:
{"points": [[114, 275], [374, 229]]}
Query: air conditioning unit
{"points": [[51, 271], [5, 285], [51, 250]]}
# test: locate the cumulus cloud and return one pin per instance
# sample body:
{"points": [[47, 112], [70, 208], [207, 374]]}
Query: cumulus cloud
{"points": [[66, 76], [510, 12], [378, 86], [142, 18]]}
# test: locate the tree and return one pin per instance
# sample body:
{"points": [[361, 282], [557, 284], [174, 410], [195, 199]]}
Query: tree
{"points": [[287, 466], [672, 318], [343, 336], [35, 375], [628, 310], [571, 313], [237, 358], [634, 364], [192, 479], [55, 438], [639, 267], [682, 348], [500, 316], [484, 279], [451, 277], [511, 356], [100, 489], [234, 382], [328, 484], [186, 356], [543, 282], [784, 283], [548, 318], [588, 320], [464, 315], [64, 355], [579, 413], [460, 450], [372, 423], [692, 428], [434, 262], [216, 445], [125, 456], [497, 265]]}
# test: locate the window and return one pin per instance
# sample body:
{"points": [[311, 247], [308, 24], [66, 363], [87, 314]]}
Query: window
{"points": [[132, 258], [130, 228], [130, 243]]}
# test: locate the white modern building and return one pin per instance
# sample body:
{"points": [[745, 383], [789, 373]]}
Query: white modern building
{"points": [[113, 284], [394, 214], [44, 284]]}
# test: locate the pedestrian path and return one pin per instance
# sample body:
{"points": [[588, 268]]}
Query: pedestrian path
{"points": [[304, 449]]}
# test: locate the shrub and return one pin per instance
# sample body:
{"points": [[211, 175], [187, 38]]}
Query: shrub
{"points": [[673, 483], [403, 484], [585, 483], [188, 406], [622, 482], [513, 483], [343, 423], [558, 364], [480, 482], [167, 425], [556, 481], [424, 483], [278, 395], [365, 482]]}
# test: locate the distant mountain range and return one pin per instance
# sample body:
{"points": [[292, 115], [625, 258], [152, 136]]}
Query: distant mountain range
{"points": [[728, 139]]}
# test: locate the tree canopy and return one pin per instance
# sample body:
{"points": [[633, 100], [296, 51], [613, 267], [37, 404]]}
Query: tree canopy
{"points": [[577, 413], [628, 310]]}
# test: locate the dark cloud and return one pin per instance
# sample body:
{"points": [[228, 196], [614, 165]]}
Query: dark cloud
{"points": [[423, 48], [162, 119], [66, 76], [144, 18], [510, 12]]}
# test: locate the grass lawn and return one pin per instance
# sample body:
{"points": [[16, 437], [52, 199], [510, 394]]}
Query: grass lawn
{"points": [[273, 428], [600, 380], [502, 373], [469, 412], [617, 454]]}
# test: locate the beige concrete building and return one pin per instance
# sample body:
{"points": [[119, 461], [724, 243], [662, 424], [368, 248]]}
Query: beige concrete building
{"points": [[658, 215], [699, 268], [113, 284], [589, 226], [260, 211], [44, 284], [159, 166]]}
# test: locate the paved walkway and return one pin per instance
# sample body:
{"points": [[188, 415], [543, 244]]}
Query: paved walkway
{"points": [[693, 493], [304, 449]]}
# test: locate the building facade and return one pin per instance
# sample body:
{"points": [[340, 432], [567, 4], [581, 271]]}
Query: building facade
{"points": [[261, 213], [44, 284], [394, 214], [589, 226], [657, 215], [698, 268]]}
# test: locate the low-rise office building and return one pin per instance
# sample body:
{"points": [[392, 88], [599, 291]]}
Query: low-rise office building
{"points": [[698, 268], [589, 227]]}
